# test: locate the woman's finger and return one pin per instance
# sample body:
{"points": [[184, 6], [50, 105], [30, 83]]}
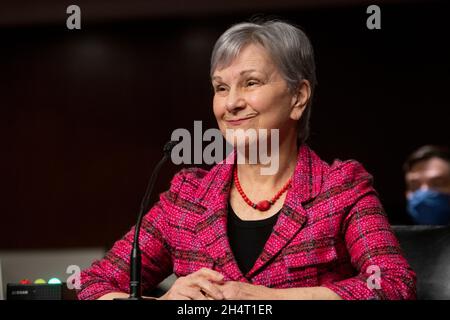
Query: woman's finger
{"points": [[209, 288], [210, 274], [192, 293], [178, 296]]}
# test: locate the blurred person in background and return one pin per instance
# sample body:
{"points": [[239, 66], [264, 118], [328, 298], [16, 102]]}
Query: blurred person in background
{"points": [[427, 176]]}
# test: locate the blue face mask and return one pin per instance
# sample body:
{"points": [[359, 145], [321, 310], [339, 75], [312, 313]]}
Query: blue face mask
{"points": [[429, 207]]}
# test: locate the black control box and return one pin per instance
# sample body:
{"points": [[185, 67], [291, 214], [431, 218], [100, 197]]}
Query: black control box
{"points": [[39, 292]]}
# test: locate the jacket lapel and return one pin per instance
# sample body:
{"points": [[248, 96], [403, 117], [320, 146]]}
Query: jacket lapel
{"points": [[212, 229], [214, 195], [306, 184]]}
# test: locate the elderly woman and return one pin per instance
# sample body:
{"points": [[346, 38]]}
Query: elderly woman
{"points": [[309, 231]]}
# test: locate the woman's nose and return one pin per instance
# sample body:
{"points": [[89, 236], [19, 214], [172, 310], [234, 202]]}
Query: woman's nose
{"points": [[235, 101]]}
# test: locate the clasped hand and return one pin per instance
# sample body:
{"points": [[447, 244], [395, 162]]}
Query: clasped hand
{"points": [[207, 284]]}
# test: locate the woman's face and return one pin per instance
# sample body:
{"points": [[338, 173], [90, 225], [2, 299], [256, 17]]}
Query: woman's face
{"points": [[251, 94]]}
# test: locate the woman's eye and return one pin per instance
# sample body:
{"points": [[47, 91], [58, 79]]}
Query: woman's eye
{"points": [[252, 83], [219, 88]]}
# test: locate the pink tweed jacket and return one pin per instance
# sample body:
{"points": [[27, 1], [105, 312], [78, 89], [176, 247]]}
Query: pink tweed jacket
{"points": [[332, 232]]}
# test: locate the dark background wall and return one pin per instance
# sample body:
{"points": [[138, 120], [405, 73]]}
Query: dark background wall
{"points": [[85, 113]]}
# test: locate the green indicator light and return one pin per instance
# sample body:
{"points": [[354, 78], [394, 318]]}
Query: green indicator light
{"points": [[54, 281]]}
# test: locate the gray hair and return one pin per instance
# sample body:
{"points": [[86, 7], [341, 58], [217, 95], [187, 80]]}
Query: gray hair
{"points": [[286, 44]]}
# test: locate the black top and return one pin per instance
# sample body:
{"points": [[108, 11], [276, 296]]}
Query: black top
{"points": [[248, 237]]}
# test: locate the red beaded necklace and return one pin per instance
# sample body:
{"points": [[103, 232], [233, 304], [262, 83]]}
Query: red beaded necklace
{"points": [[263, 205]]}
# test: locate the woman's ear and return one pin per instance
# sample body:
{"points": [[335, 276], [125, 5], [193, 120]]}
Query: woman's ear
{"points": [[300, 100]]}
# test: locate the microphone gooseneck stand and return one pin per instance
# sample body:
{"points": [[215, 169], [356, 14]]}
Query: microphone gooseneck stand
{"points": [[135, 257]]}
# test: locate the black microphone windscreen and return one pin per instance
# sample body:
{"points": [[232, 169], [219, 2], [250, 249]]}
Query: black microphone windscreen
{"points": [[169, 146]]}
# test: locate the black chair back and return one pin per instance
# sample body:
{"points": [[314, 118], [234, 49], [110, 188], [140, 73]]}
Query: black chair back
{"points": [[427, 249]]}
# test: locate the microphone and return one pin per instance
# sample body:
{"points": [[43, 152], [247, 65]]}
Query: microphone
{"points": [[135, 257]]}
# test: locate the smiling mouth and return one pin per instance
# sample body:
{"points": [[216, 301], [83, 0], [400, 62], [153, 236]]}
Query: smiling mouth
{"points": [[240, 120]]}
